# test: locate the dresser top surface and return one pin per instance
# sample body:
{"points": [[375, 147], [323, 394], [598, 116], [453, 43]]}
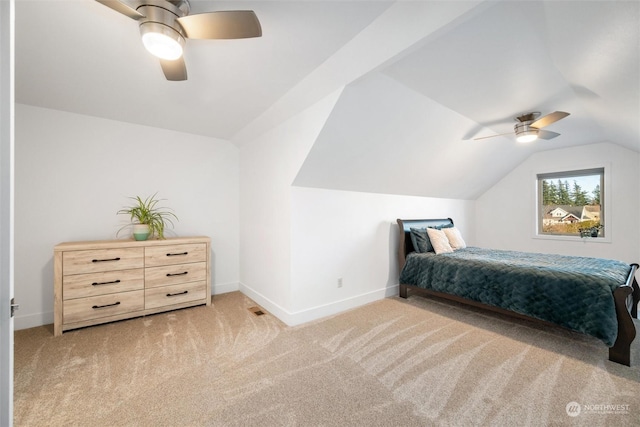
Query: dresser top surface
{"points": [[121, 243]]}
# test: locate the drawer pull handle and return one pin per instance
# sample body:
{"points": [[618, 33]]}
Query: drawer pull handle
{"points": [[105, 283], [105, 260], [177, 274], [105, 306], [178, 293], [181, 253]]}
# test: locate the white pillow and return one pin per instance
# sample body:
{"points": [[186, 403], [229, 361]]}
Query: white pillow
{"points": [[455, 238], [439, 241]]}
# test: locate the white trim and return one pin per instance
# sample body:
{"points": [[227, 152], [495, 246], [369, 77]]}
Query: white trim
{"points": [[606, 239], [266, 303], [7, 198], [224, 288], [607, 203], [33, 320], [320, 311]]}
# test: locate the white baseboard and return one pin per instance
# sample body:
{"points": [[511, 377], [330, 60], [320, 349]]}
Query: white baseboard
{"points": [[318, 312], [223, 288], [266, 303], [32, 320]]}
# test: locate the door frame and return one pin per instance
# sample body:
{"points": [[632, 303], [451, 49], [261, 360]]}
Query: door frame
{"points": [[7, 123]]}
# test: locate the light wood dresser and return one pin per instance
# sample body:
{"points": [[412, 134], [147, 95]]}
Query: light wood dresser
{"points": [[103, 281]]}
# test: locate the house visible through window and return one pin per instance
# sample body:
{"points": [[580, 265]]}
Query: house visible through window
{"points": [[571, 203]]}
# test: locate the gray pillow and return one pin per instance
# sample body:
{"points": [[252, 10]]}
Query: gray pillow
{"points": [[420, 240]]}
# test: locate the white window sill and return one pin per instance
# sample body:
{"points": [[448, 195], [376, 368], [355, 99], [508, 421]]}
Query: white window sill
{"points": [[605, 239]]}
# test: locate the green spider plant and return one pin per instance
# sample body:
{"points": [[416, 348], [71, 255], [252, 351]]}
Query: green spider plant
{"points": [[148, 212]]}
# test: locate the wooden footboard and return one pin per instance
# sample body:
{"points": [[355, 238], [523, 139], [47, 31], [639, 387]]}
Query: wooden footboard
{"points": [[626, 299]]}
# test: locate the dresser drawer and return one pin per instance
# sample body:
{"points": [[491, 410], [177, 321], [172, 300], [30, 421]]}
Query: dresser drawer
{"points": [[92, 261], [174, 274], [109, 282], [175, 294], [175, 254], [82, 309]]}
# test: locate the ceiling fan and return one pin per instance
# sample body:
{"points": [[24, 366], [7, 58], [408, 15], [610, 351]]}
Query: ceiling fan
{"points": [[165, 24], [528, 126]]}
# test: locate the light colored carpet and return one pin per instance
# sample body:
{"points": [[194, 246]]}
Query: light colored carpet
{"points": [[393, 362]]}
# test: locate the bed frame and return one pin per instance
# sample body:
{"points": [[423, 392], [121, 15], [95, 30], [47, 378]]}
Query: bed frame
{"points": [[626, 296]]}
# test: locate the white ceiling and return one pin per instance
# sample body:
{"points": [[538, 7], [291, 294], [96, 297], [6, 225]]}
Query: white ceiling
{"points": [[422, 78], [80, 56]]}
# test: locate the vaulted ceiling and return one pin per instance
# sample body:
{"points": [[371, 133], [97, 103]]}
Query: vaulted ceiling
{"points": [[420, 80]]}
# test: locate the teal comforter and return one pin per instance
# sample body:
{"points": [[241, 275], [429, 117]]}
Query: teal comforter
{"points": [[574, 292]]}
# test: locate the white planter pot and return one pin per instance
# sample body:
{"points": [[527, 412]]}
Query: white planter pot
{"points": [[141, 231]]}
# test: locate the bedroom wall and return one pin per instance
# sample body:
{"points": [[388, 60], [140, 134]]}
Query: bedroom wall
{"points": [[74, 172], [505, 214], [268, 166], [295, 242], [354, 236]]}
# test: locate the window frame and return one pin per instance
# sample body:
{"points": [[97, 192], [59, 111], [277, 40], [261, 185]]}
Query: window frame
{"points": [[560, 173]]}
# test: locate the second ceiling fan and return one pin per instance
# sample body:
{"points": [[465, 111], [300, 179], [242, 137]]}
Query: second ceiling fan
{"points": [[528, 126], [165, 24]]}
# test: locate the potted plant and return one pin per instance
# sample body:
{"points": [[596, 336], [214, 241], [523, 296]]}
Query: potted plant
{"points": [[147, 217]]}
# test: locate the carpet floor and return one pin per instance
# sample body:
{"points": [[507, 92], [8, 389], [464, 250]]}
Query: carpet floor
{"points": [[394, 362]]}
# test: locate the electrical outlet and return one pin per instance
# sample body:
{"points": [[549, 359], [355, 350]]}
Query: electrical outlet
{"points": [[339, 282]]}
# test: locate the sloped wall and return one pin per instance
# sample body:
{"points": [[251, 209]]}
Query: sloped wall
{"points": [[383, 137], [297, 241]]}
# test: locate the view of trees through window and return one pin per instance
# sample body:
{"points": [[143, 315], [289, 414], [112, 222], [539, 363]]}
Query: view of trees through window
{"points": [[571, 203]]}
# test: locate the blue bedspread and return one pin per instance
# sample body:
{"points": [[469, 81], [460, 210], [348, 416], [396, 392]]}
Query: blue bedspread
{"points": [[574, 292]]}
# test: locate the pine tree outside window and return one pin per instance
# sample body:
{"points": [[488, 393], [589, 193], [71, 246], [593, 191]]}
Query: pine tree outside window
{"points": [[571, 203]]}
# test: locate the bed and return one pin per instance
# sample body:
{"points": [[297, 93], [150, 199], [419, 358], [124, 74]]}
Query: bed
{"points": [[592, 296]]}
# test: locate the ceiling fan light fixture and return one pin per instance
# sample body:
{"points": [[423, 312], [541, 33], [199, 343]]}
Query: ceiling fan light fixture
{"points": [[525, 134], [528, 136], [162, 41]]}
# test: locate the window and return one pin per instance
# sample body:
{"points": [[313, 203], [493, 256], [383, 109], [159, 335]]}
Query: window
{"points": [[571, 203]]}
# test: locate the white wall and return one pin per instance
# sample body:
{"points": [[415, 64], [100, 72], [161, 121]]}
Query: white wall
{"points": [[268, 166], [505, 214], [383, 137], [74, 172], [296, 242], [354, 236]]}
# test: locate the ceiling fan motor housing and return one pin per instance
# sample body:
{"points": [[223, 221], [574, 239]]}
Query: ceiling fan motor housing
{"points": [[160, 18], [524, 132]]}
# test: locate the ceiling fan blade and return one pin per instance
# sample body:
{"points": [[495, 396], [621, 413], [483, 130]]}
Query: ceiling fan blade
{"points": [[122, 8], [233, 24], [547, 134], [174, 70], [493, 136], [548, 119]]}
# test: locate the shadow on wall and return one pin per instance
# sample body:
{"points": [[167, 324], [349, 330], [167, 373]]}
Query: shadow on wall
{"points": [[394, 271], [212, 266], [47, 293]]}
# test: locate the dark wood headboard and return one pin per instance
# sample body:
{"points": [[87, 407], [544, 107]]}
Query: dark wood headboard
{"points": [[406, 245]]}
